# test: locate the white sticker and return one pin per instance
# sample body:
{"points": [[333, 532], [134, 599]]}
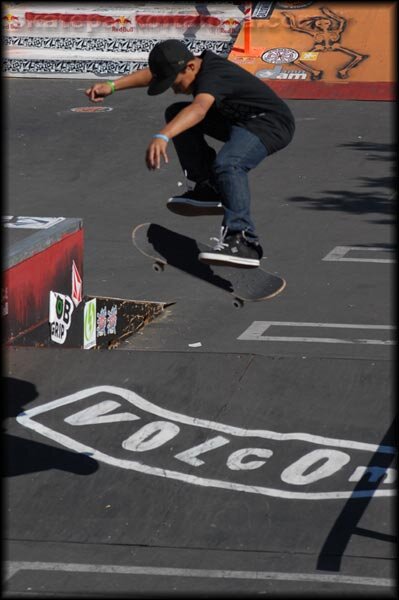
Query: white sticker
{"points": [[89, 324], [60, 316], [279, 56]]}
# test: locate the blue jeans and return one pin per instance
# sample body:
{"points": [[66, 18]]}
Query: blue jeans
{"points": [[227, 170]]}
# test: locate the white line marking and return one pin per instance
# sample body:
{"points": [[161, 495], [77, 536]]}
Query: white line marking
{"points": [[339, 254], [25, 419], [10, 568], [255, 332], [13, 567]]}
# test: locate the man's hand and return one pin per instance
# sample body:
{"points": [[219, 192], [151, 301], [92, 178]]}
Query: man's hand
{"points": [[155, 150], [98, 91]]}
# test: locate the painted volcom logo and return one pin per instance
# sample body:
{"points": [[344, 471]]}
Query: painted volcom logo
{"points": [[118, 427]]}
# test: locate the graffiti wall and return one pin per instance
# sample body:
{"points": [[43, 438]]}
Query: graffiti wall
{"points": [[321, 49], [96, 40]]}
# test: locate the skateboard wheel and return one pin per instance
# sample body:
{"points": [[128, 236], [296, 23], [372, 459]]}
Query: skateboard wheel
{"points": [[237, 303], [158, 267]]}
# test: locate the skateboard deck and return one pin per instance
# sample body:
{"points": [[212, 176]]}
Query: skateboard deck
{"points": [[167, 247]]}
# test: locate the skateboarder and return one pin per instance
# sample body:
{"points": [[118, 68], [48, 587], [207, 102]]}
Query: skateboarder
{"points": [[228, 104]]}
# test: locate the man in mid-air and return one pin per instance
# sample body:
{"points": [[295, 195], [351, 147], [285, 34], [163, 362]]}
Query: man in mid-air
{"points": [[228, 104]]}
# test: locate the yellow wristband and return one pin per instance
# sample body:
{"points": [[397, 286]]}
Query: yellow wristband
{"points": [[112, 84]]}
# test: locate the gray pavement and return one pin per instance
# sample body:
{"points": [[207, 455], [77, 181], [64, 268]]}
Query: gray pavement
{"points": [[264, 464]]}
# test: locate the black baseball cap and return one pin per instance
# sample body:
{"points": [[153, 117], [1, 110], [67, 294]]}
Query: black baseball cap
{"points": [[166, 60]]}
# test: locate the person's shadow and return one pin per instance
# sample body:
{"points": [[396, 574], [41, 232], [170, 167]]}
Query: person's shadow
{"points": [[21, 455]]}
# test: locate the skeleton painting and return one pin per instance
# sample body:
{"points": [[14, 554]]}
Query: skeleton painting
{"points": [[326, 31]]}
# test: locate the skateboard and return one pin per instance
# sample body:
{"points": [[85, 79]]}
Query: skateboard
{"points": [[167, 247]]}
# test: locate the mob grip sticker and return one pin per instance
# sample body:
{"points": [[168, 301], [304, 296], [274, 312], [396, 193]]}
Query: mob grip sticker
{"points": [[60, 316], [116, 426]]}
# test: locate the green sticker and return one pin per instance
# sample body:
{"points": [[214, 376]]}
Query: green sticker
{"points": [[89, 324]]}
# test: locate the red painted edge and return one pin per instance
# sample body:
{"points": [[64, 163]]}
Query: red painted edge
{"points": [[321, 90], [29, 282], [12, 339]]}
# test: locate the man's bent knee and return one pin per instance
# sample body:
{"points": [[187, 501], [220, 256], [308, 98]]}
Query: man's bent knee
{"points": [[220, 166]]}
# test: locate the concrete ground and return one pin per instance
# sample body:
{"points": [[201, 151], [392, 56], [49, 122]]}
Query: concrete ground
{"points": [[218, 451]]}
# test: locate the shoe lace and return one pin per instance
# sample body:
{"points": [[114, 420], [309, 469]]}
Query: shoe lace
{"points": [[189, 186], [220, 240]]}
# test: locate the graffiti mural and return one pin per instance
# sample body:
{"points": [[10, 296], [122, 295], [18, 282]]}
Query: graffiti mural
{"points": [[326, 31], [323, 49]]}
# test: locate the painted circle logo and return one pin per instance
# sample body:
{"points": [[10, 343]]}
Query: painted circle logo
{"points": [[59, 307], [91, 109], [280, 56]]}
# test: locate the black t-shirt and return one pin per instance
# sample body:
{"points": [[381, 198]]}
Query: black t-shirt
{"points": [[241, 97]]}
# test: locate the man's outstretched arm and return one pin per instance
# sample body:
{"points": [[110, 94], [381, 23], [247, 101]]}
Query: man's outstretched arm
{"points": [[98, 91]]}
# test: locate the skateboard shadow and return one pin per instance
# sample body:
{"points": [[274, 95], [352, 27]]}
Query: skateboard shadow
{"points": [[182, 252]]}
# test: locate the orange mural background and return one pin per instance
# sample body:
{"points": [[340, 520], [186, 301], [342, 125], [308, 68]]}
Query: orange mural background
{"points": [[327, 49]]}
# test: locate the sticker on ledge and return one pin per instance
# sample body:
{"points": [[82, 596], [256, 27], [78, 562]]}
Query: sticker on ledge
{"points": [[77, 285], [60, 316], [91, 109], [112, 320], [107, 319], [89, 324], [102, 322]]}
